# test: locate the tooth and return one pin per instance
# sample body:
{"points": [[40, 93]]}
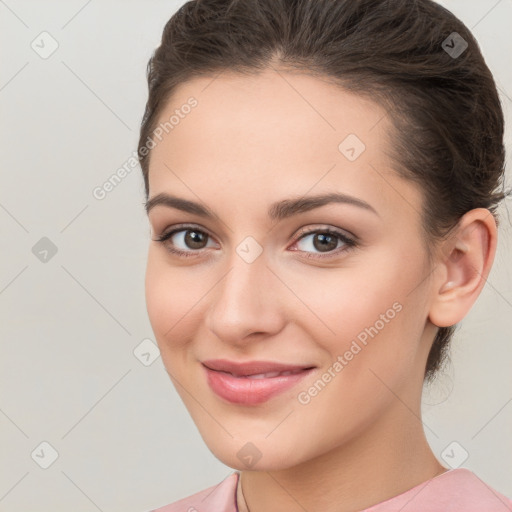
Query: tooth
{"points": [[263, 375], [267, 375]]}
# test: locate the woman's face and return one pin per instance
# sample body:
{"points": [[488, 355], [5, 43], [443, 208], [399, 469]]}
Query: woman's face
{"points": [[261, 279]]}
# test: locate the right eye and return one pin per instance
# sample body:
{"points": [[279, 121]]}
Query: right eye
{"points": [[191, 239]]}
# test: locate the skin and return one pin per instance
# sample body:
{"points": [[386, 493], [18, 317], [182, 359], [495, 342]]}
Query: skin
{"points": [[255, 140]]}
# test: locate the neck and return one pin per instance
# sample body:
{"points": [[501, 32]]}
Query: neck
{"points": [[387, 459]]}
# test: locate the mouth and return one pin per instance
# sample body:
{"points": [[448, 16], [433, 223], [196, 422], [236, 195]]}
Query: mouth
{"points": [[252, 383], [250, 368], [268, 375]]}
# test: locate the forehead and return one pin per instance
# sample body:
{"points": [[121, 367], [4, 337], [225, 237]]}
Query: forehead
{"points": [[249, 111], [274, 135]]}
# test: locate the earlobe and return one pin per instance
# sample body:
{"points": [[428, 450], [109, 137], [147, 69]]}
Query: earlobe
{"points": [[463, 270]]}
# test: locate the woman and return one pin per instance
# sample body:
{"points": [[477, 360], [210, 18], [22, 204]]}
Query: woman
{"points": [[322, 179]]}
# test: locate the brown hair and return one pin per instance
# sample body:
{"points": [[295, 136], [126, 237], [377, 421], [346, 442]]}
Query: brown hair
{"points": [[444, 106]]}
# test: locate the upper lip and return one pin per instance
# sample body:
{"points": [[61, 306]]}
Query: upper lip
{"points": [[252, 367]]}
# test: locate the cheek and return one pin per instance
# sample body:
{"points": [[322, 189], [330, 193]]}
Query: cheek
{"points": [[366, 313], [373, 352], [174, 309], [339, 303], [173, 299]]}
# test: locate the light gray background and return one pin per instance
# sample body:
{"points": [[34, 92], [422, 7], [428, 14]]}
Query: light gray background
{"points": [[70, 325]]}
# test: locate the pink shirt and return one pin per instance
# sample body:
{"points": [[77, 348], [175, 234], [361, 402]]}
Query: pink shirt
{"points": [[456, 490]]}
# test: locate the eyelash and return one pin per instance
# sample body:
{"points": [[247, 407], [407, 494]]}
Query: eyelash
{"points": [[349, 242]]}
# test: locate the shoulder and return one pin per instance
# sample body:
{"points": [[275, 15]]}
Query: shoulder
{"points": [[461, 489], [456, 490], [217, 498]]}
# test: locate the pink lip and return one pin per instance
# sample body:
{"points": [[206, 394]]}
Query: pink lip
{"points": [[242, 390]]}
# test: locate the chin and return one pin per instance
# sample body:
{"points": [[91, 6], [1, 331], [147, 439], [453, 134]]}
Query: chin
{"points": [[257, 455]]}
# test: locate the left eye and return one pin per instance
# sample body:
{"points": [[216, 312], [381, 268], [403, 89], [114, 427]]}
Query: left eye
{"points": [[325, 241]]}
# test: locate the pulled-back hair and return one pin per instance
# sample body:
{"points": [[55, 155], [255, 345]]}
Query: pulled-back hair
{"points": [[443, 105]]}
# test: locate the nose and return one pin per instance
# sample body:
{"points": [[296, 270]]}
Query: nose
{"points": [[245, 302]]}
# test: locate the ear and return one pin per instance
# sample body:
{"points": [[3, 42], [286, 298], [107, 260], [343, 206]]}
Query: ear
{"points": [[462, 270]]}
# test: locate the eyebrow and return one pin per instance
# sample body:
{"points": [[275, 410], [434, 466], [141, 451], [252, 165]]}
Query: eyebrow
{"points": [[277, 211]]}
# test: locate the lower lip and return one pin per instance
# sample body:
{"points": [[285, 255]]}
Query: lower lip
{"points": [[245, 391]]}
